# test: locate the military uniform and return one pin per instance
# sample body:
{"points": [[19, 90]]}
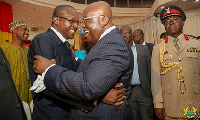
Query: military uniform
{"points": [[176, 91], [165, 88]]}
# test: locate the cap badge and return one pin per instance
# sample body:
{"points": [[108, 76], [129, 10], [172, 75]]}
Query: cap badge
{"points": [[168, 10]]}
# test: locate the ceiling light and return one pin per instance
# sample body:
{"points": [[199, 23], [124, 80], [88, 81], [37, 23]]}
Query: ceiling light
{"points": [[197, 0]]}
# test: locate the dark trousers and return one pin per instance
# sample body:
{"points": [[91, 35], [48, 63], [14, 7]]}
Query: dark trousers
{"points": [[142, 108]]}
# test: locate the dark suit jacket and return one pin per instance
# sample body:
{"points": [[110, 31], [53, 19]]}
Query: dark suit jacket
{"points": [[109, 61], [48, 45], [144, 68], [150, 47], [11, 107]]}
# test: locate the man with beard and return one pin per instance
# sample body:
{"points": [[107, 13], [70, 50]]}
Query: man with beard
{"points": [[53, 44], [110, 61], [16, 54], [26, 41], [175, 69]]}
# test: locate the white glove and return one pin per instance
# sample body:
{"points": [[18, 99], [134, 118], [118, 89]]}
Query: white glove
{"points": [[38, 85]]}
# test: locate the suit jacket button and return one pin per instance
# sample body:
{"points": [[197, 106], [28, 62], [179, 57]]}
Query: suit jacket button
{"points": [[18, 106], [179, 59], [182, 92], [86, 111]]}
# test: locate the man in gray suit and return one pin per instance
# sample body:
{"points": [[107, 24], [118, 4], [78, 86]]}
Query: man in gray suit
{"points": [[140, 96], [110, 61]]}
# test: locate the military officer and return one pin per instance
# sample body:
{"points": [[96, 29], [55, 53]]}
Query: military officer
{"points": [[175, 72]]}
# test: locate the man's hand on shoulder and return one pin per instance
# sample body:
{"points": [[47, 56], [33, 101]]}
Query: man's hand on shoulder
{"points": [[42, 63], [115, 96]]}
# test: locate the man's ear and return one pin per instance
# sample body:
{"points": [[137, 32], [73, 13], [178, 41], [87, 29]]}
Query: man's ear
{"points": [[183, 23], [14, 30], [56, 20], [104, 20]]}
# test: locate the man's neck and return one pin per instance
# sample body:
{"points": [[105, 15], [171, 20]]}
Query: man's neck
{"points": [[142, 41], [17, 43], [131, 43], [176, 35]]}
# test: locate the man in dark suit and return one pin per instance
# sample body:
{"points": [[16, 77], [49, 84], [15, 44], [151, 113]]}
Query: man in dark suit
{"points": [[140, 96], [52, 44], [138, 38], [49, 105], [110, 61], [11, 107]]}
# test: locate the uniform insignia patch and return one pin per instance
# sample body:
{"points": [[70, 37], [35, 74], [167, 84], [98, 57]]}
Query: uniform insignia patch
{"points": [[193, 49], [190, 112]]}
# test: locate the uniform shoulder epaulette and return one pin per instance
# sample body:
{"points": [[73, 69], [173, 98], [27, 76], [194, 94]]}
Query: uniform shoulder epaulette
{"points": [[198, 37], [159, 42], [194, 37]]}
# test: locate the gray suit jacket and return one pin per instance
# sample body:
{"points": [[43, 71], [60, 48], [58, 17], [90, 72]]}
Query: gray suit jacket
{"points": [[144, 68], [110, 61]]}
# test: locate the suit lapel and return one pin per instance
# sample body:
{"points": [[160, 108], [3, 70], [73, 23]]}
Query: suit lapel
{"points": [[138, 49], [4, 61], [57, 40]]}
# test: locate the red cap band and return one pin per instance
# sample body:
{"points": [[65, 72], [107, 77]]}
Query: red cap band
{"points": [[171, 12]]}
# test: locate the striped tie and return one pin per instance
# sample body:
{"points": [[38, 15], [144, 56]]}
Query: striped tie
{"points": [[177, 44]]}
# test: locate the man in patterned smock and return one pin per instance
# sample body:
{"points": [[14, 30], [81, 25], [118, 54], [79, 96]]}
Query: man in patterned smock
{"points": [[16, 53]]}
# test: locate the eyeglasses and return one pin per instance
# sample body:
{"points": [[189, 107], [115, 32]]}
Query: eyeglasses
{"points": [[87, 31], [71, 21], [84, 19]]}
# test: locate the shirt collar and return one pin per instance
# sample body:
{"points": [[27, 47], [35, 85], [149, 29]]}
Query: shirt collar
{"points": [[107, 31], [144, 43], [59, 35], [133, 44], [180, 37]]}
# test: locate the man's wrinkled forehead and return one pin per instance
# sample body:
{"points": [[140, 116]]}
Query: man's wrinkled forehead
{"points": [[91, 11]]}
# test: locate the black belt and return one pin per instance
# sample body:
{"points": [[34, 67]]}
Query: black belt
{"points": [[135, 85]]}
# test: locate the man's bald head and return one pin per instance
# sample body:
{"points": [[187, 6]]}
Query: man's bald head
{"points": [[97, 17], [99, 8]]}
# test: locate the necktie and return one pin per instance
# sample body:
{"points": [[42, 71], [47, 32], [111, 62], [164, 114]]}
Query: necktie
{"points": [[67, 44], [177, 44]]}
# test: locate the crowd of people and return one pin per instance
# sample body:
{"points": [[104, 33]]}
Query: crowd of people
{"points": [[116, 74]]}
